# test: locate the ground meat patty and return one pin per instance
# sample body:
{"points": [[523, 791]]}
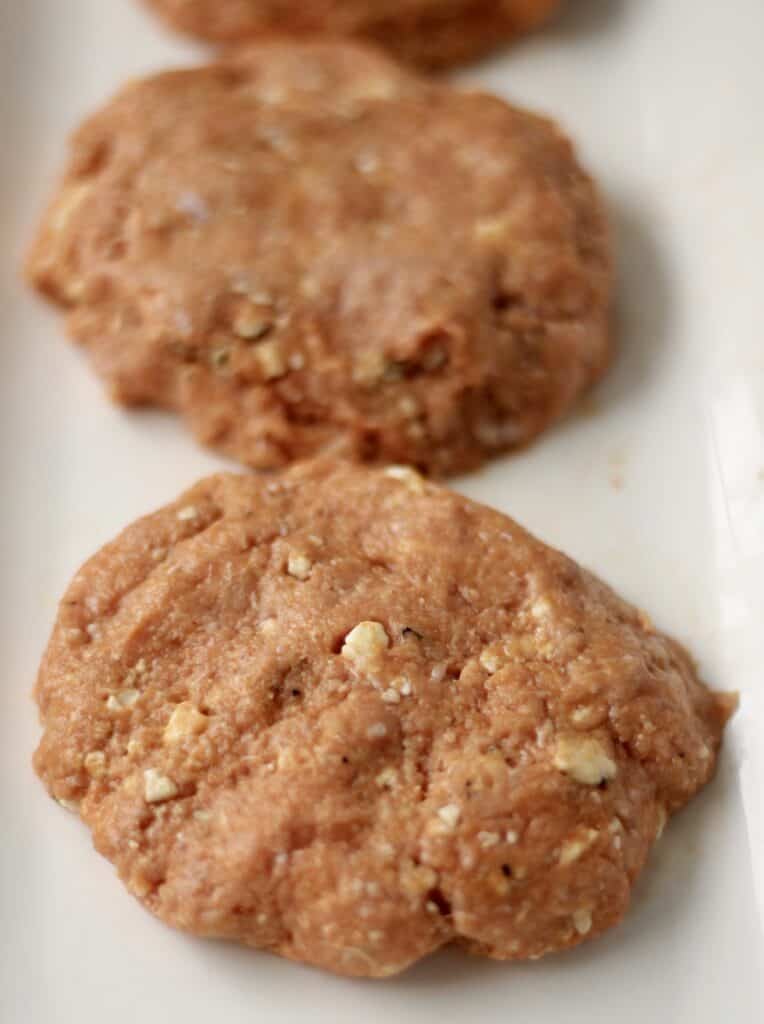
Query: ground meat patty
{"points": [[307, 249], [431, 33], [349, 716]]}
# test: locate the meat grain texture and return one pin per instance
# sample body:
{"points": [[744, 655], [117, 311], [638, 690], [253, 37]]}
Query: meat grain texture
{"points": [[429, 33], [348, 716], [306, 249]]}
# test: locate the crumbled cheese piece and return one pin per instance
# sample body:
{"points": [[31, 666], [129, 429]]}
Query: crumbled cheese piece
{"points": [[488, 839], [123, 700], [490, 660], [157, 787], [250, 323], [387, 778], [369, 367], [95, 764], [365, 642], [185, 720], [572, 848], [541, 608], [582, 921], [581, 715], [584, 759], [271, 359], [299, 566], [450, 814], [408, 476]]}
